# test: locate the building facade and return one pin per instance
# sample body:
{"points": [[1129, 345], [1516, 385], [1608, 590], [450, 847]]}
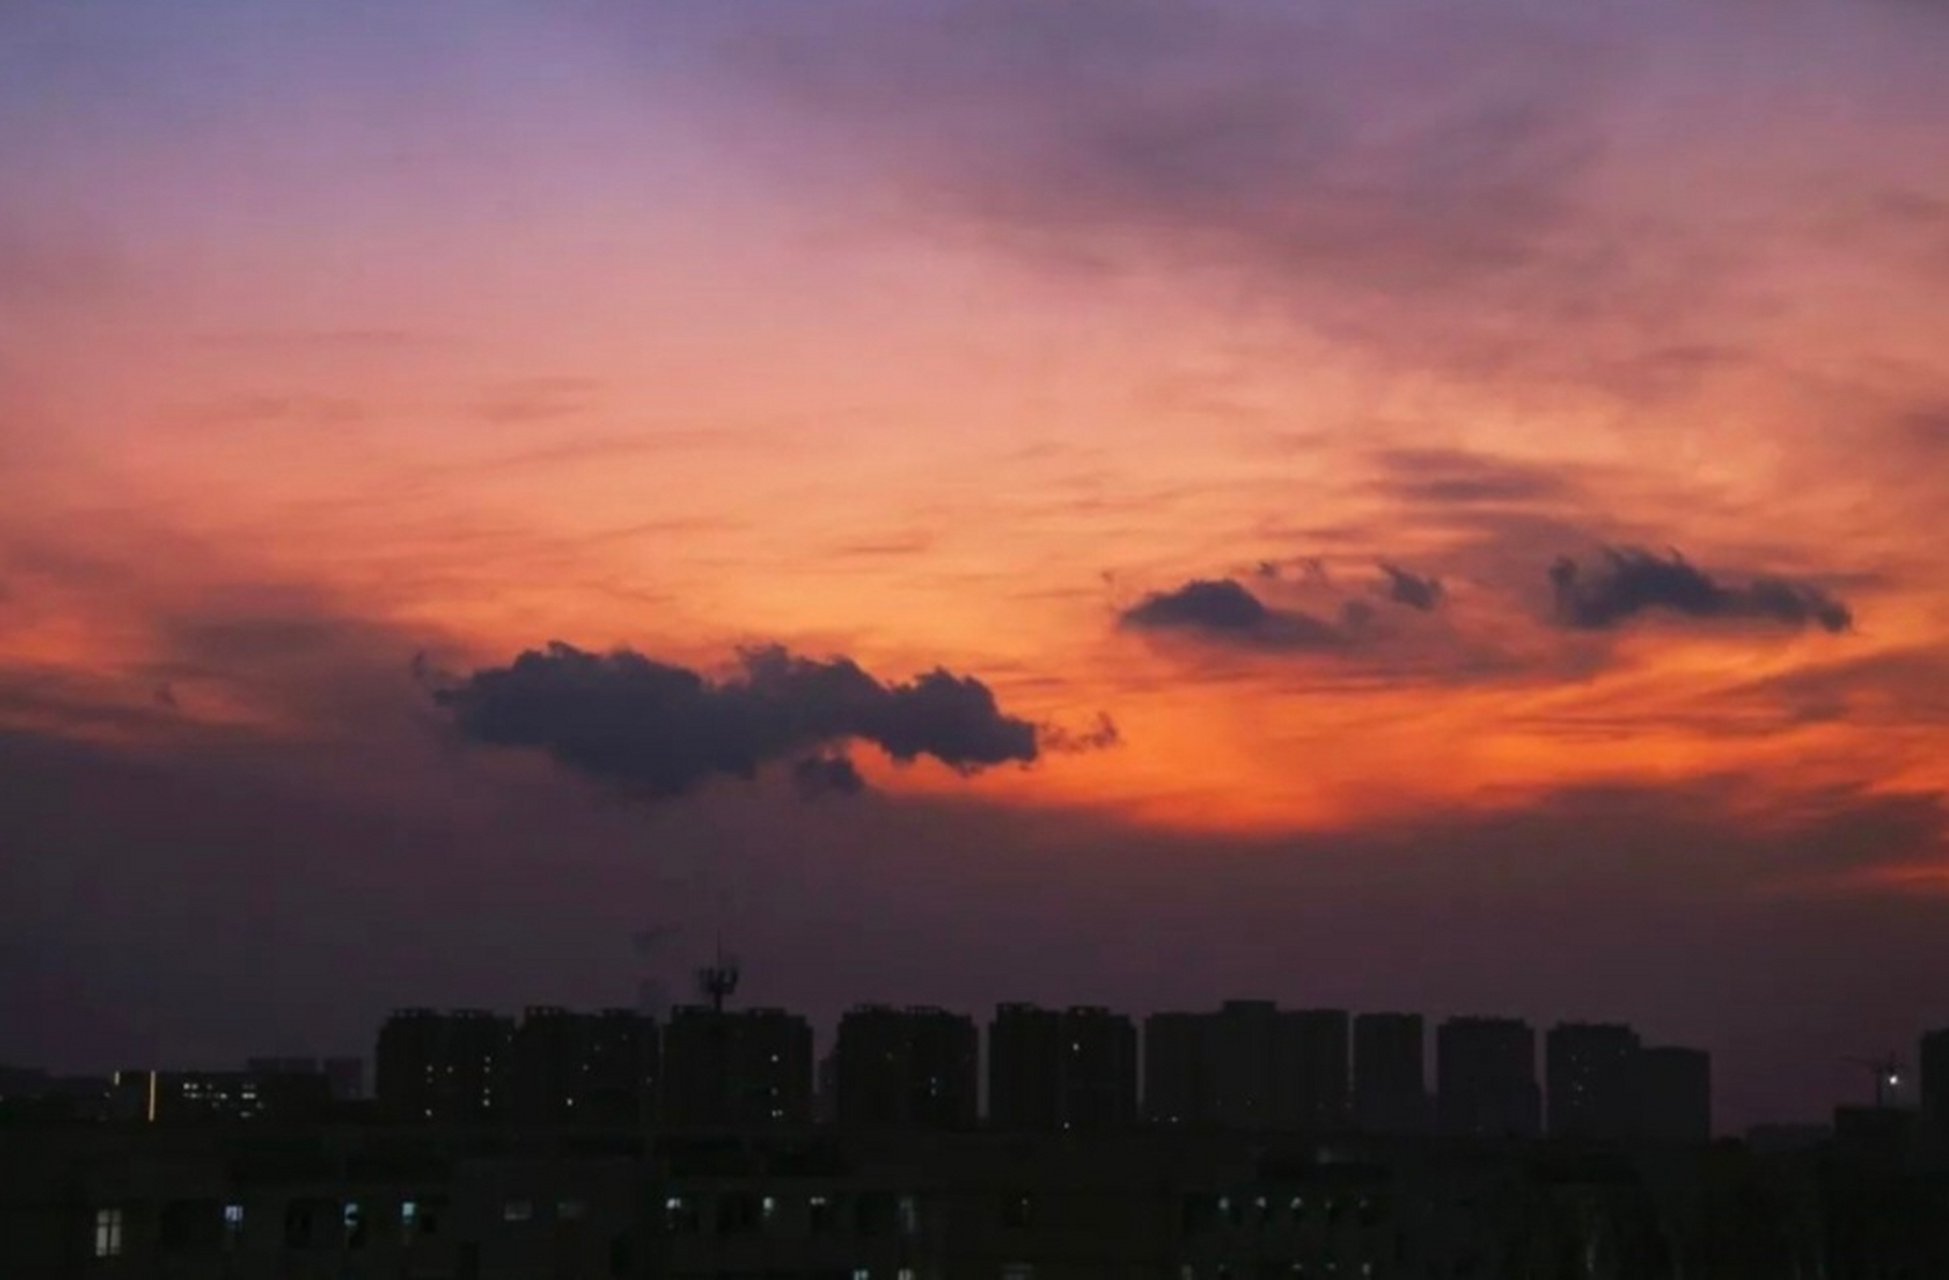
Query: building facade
{"points": [[746, 1068], [566, 1067], [1486, 1078], [906, 1069], [442, 1068], [1675, 1095], [1389, 1078], [1052, 1070], [1591, 1073]]}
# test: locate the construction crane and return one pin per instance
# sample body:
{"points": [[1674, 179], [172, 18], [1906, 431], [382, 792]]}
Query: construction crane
{"points": [[1888, 1077]]}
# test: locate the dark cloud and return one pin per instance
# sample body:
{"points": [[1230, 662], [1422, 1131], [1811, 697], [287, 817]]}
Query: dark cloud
{"points": [[1630, 581], [1203, 604], [1221, 609], [1462, 478], [655, 729], [1100, 736], [1411, 589], [827, 775]]}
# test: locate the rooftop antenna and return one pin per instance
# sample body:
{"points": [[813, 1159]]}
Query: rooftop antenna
{"points": [[1888, 1077], [718, 981]]}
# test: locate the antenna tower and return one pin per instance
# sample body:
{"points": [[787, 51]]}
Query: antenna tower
{"points": [[718, 981]]}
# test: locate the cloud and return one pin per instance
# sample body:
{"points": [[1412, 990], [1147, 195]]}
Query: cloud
{"points": [[1631, 581], [1100, 736], [1222, 609], [1424, 181], [656, 730], [824, 775], [1412, 590], [1463, 478]]}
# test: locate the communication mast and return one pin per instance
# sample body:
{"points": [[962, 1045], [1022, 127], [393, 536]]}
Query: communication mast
{"points": [[718, 981]]}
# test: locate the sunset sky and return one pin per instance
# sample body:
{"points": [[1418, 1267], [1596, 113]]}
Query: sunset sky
{"points": [[1386, 505]]}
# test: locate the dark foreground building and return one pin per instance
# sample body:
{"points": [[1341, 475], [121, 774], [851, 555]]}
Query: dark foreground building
{"points": [[382, 1203]]}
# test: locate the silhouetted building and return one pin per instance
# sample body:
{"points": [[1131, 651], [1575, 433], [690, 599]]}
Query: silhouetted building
{"points": [[1249, 1066], [825, 1090], [1175, 1090], [1061, 1069], [1486, 1078], [1242, 1066], [191, 1097], [749, 1068], [1674, 1095], [1591, 1074], [1389, 1085], [1934, 1065], [442, 1067], [1312, 1062], [566, 1067], [906, 1069], [344, 1077]]}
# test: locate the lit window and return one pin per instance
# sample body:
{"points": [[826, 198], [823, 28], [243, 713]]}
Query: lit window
{"points": [[569, 1210], [905, 1273], [409, 1215], [517, 1211], [108, 1233], [769, 1207], [909, 1216], [233, 1217], [862, 1273]]}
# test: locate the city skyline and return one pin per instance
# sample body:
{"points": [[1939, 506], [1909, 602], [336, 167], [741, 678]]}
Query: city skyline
{"points": [[1380, 506]]}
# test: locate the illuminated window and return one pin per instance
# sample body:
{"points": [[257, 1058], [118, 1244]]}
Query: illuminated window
{"points": [[108, 1233], [862, 1273], [517, 1211], [354, 1225], [905, 1273], [569, 1210], [909, 1216]]}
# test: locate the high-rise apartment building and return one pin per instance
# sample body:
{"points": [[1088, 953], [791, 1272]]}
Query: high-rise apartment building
{"points": [[906, 1069], [1591, 1074], [567, 1067], [1933, 1053], [1486, 1078], [1389, 1082], [736, 1069], [1249, 1066], [442, 1067], [1175, 1090], [1052, 1070], [1674, 1096], [1312, 1061]]}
